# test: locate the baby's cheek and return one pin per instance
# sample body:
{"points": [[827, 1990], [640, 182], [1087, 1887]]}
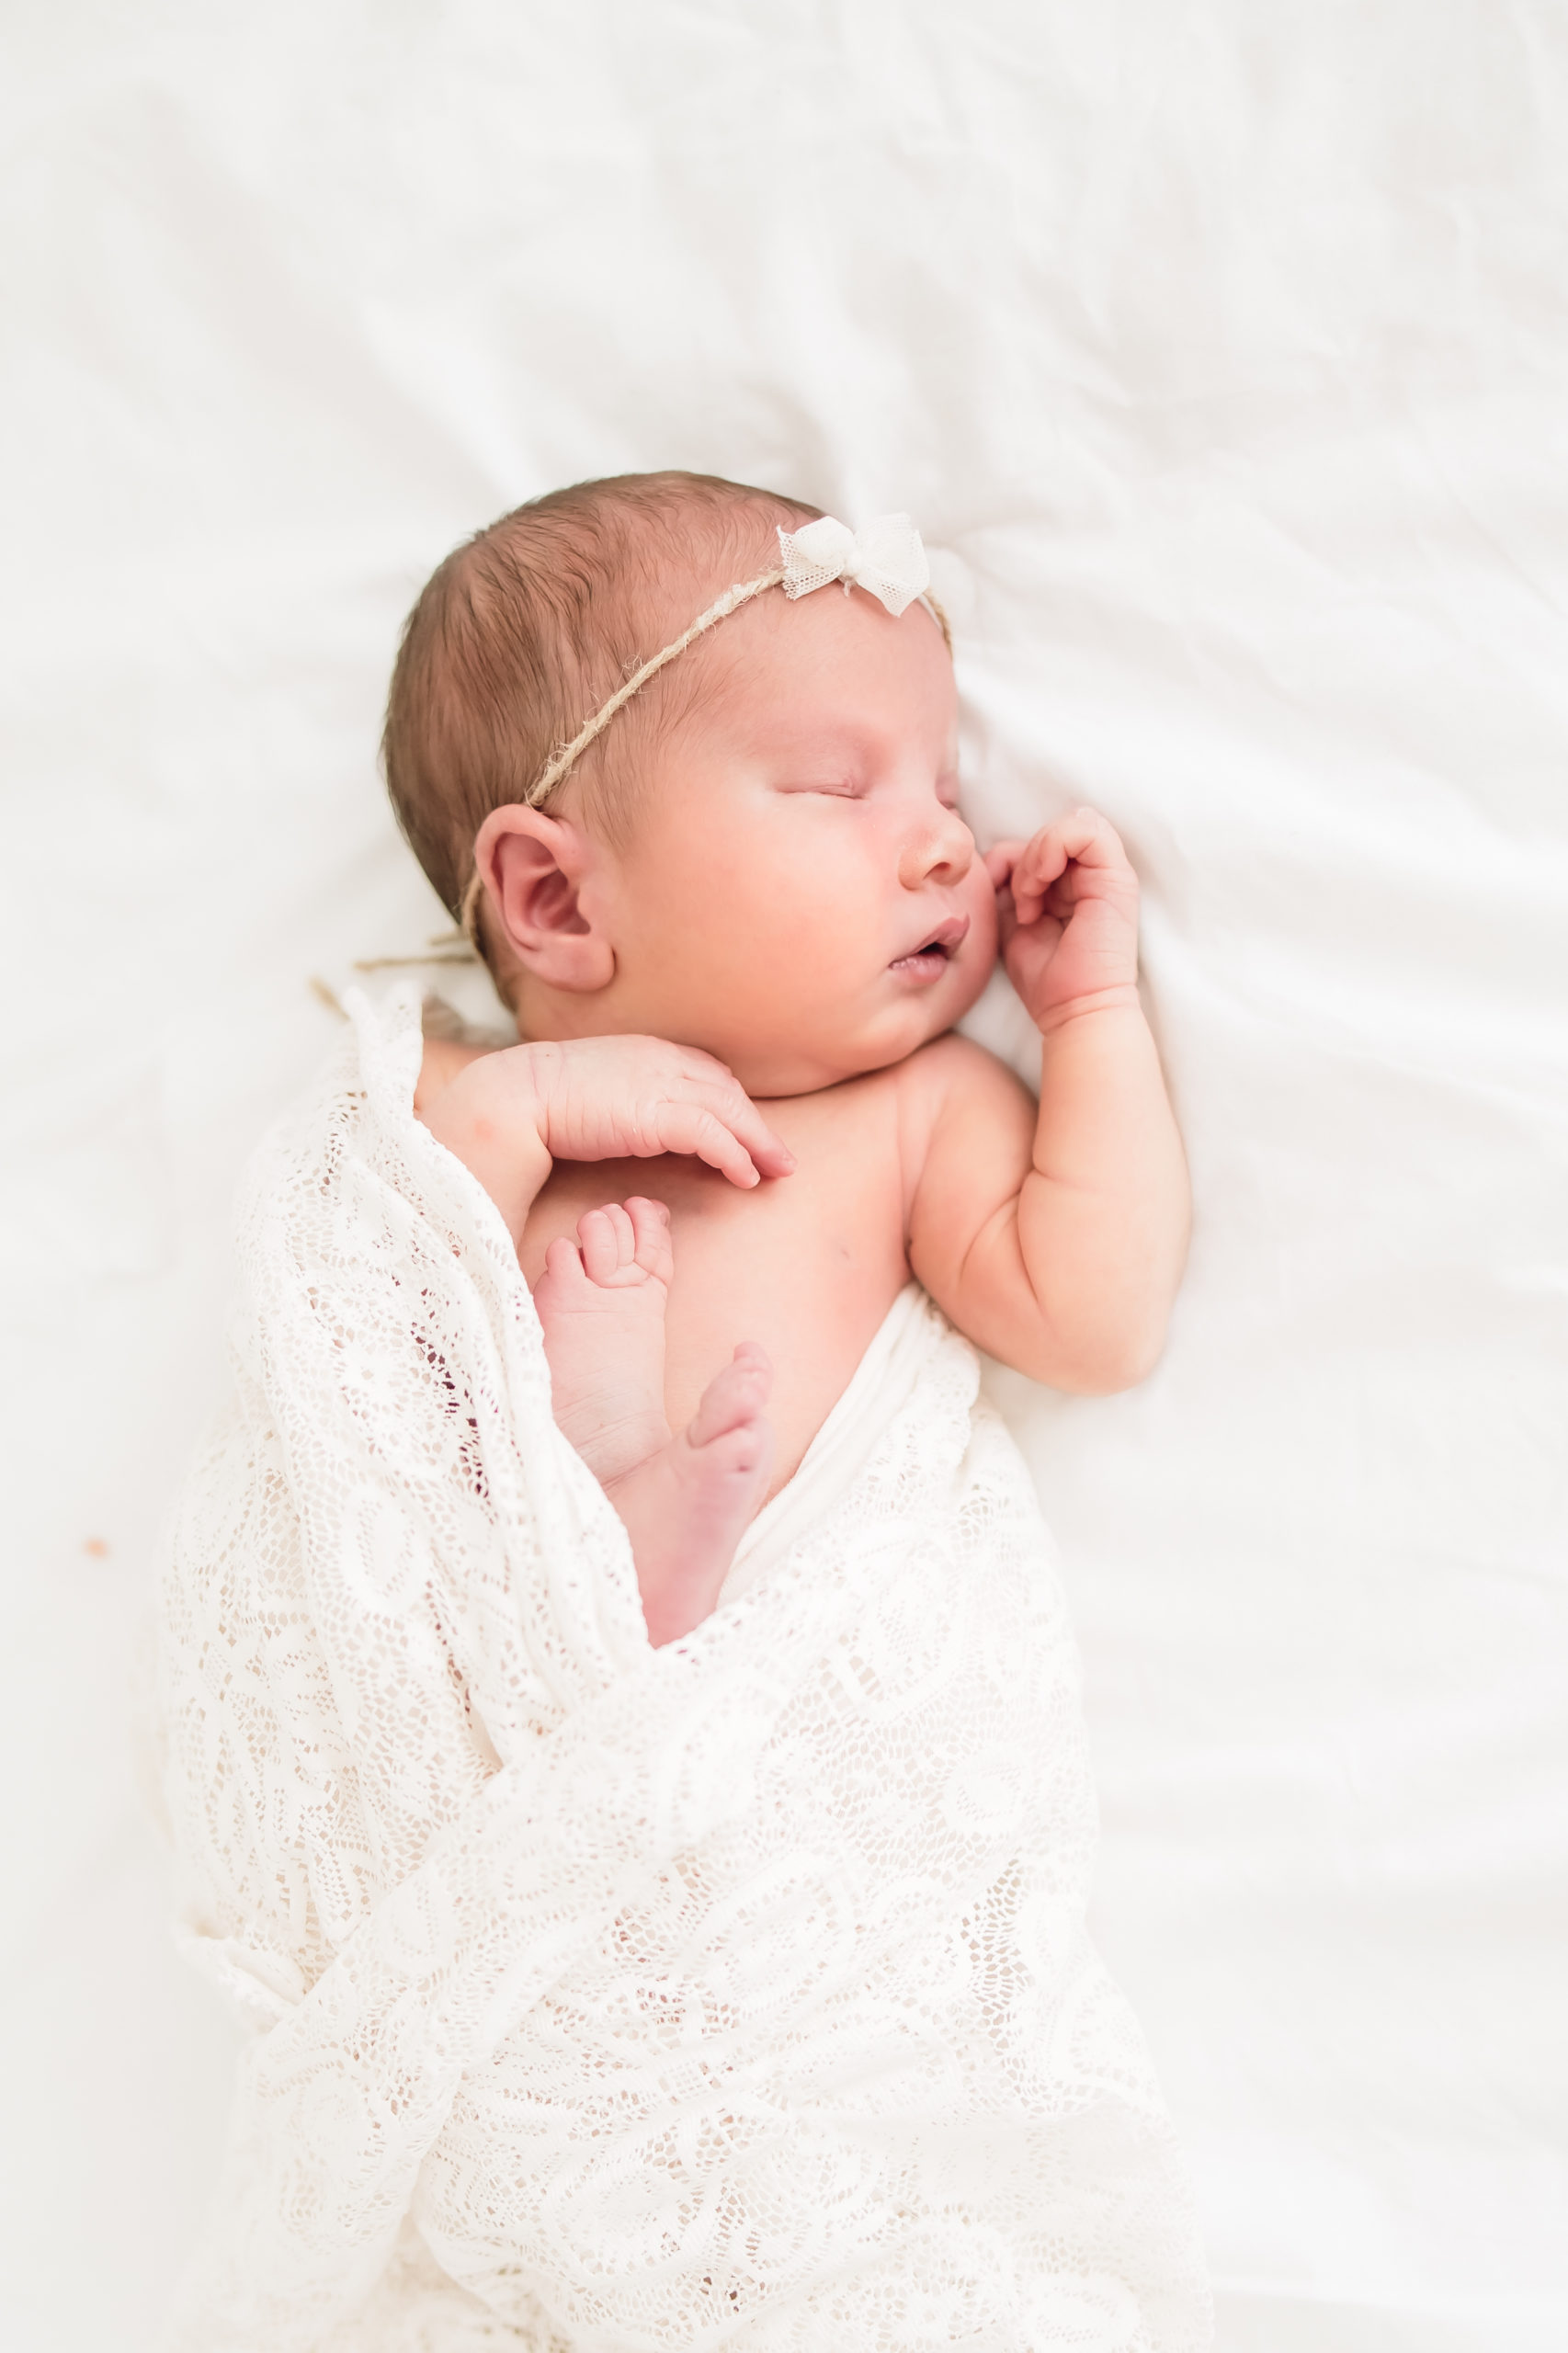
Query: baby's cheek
{"points": [[977, 958], [981, 908]]}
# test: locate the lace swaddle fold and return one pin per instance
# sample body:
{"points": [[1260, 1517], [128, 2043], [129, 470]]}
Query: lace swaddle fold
{"points": [[636, 1977]]}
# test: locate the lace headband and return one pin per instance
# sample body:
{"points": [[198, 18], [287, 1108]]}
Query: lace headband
{"points": [[887, 559]]}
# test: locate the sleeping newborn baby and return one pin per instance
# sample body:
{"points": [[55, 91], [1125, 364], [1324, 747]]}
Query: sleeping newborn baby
{"points": [[655, 1841], [753, 886]]}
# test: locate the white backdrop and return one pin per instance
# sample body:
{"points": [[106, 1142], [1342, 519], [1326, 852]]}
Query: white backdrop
{"points": [[1223, 349]]}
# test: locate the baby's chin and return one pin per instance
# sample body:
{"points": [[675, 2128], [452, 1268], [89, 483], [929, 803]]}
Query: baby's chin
{"points": [[773, 1069]]}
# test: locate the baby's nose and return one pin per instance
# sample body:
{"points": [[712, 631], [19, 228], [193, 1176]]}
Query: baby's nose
{"points": [[943, 849]]}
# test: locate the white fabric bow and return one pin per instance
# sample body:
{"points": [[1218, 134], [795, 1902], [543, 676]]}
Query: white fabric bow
{"points": [[887, 558]]}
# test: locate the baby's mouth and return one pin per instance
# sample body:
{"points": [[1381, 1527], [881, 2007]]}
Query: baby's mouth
{"points": [[936, 951]]}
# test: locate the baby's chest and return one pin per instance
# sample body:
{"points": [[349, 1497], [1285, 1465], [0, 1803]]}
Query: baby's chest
{"points": [[808, 1265]]}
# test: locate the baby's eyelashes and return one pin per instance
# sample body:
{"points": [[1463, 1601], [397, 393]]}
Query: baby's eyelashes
{"points": [[840, 787], [859, 787]]}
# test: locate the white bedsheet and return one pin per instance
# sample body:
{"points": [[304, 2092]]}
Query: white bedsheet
{"points": [[1223, 349]]}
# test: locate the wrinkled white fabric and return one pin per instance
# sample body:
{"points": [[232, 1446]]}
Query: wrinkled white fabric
{"points": [[733, 1993], [882, 1383]]}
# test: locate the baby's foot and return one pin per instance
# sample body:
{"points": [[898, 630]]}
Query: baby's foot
{"points": [[601, 1301], [685, 1500], [686, 1506]]}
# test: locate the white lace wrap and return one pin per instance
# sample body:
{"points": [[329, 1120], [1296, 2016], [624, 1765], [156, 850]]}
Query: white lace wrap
{"points": [[735, 1993]]}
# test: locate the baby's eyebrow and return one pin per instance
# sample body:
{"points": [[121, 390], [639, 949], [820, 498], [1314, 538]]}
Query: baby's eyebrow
{"points": [[844, 737], [822, 735]]}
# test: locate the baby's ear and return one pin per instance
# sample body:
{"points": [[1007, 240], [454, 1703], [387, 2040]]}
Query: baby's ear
{"points": [[533, 868]]}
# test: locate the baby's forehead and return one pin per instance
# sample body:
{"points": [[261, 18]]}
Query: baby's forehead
{"points": [[697, 642], [829, 670]]}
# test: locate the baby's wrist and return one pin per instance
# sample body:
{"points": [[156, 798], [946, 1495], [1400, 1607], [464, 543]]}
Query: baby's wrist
{"points": [[493, 1118], [1120, 997]]}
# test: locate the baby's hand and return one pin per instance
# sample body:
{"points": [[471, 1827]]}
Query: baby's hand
{"points": [[614, 1098], [1069, 916], [509, 1114]]}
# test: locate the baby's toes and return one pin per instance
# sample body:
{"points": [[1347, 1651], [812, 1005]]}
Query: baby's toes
{"points": [[564, 1281], [651, 1238], [733, 1397], [742, 1454], [609, 1245]]}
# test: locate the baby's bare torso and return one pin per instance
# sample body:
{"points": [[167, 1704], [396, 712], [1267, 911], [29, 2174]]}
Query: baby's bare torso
{"points": [[808, 1265]]}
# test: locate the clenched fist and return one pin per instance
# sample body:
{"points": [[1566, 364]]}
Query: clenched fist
{"points": [[1069, 918]]}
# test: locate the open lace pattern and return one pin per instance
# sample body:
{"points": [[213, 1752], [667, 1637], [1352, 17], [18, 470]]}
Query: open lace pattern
{"points": [[735, 1993]]}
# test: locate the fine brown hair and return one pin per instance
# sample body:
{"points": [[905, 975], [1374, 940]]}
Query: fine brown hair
{"points": [[524, 631]]}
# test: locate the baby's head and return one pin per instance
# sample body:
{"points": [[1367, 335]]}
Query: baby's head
{"points": [[759, 854]]}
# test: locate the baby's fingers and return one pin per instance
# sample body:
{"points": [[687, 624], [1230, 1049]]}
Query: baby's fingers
{"points": [[772, 1156], [1038, 864], [686, 1127], [1000, 860], [1081, 839], [1085, 837], [1093, 839], [729, 1104]]}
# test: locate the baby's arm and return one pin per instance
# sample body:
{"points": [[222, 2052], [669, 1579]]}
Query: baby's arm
{"points": [[1056, 1240]]}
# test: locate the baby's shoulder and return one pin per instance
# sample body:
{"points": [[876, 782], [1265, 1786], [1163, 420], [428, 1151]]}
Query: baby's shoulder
{"points": [[952, 1085], [952, 1068], [899, 1110]]}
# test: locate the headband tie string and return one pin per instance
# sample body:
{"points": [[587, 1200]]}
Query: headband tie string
{"points": [[887, 559]]}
